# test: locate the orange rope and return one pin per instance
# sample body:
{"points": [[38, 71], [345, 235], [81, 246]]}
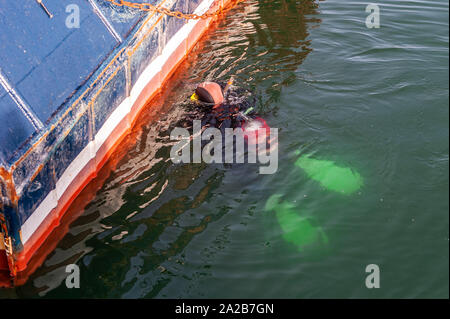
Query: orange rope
{"points": [[177, 14]]}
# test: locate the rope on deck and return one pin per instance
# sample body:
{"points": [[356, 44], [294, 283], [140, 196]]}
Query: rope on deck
{"points": [[148, 7]]}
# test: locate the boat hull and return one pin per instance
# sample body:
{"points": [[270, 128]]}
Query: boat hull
{"points": [[56, 164]]}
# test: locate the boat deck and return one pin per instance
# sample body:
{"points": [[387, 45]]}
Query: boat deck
{"points": [[69, 96]]}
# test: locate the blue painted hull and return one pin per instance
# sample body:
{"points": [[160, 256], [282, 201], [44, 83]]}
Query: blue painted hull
{"points": [[66, 97]]}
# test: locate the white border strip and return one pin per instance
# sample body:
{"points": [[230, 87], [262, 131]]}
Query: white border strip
{"points": [[90, 151]]}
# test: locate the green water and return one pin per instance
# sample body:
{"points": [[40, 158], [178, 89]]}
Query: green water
{"points": [[362, 178], [297, 229], [339, 179]]}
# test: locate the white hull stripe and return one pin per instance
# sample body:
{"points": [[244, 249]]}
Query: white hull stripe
{"points": [[90, 151]]}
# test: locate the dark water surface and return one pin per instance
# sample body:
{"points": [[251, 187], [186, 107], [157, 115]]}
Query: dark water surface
{"points": [[372, 100]]}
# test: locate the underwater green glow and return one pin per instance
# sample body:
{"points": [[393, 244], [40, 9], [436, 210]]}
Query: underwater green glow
{"points": [[297, 229], [335, 178]]}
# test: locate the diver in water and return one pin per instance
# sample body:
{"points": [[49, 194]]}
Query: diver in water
{"points": [[225, 107], [221, 117], [220, 110]]}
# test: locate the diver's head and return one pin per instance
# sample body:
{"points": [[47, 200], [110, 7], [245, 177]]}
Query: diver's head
{"points": [[210, 92]]}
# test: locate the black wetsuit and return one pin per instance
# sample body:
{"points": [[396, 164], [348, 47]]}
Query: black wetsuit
{"points": [[226, 115], [237, 102]]}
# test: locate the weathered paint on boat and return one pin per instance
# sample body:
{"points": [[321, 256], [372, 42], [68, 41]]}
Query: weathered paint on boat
{"points": [[69, 97]]}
